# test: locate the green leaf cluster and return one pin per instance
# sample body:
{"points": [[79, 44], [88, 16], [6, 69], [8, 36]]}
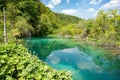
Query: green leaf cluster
{"points": [[16, 63]]}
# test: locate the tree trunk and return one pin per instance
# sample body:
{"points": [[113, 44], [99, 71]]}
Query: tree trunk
{"points": [[4, 35]]}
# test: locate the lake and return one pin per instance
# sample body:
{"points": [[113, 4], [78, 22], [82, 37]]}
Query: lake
{"points": [[86, 62]]}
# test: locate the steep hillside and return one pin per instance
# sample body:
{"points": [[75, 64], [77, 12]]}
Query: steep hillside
{"points": [[26, 18], [51, 20], [67, 19]]}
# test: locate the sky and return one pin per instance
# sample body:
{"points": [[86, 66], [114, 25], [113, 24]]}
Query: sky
{"points": [[81, 8]]}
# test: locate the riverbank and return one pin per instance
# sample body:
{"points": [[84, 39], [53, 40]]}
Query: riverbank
{"points": [[112, 47]]}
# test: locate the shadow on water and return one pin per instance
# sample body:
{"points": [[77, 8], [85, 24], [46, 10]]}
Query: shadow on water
{"points": [[84, 61], [43, 47]]}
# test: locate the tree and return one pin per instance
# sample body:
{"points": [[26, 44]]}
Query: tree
{"points": [[3, 5], [5, 35]]}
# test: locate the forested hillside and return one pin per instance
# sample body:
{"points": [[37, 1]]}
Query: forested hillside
{"points": [[26, 18], [67, 19], [32, 18], [103, 29], [21, 19]]}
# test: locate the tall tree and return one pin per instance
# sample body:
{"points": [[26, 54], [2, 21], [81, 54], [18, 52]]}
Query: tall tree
{"points": [[3, 5], [5, 34]]}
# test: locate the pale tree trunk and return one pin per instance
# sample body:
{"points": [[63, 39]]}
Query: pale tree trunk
{"points": [[5, 35]]}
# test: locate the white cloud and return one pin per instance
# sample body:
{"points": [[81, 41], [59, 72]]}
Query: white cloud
{"points": [[113, 4], [53, 3], [90, 10], [69, 11], [93, 2], [50, 6], [67, 1], [95, 14]]}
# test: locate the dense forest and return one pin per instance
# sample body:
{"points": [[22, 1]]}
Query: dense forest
{"points": [[32, 18], [22, 18], [104, 28]]}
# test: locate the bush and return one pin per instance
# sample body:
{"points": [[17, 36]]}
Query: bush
{"points": [[17, 64]]}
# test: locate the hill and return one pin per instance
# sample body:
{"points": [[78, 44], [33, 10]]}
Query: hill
{"points": [[31, 18]]}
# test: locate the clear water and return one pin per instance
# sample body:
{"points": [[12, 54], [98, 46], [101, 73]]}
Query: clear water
{"points": [[84, 61]]}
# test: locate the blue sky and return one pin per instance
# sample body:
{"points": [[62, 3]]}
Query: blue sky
{"points": [[81, 8]]}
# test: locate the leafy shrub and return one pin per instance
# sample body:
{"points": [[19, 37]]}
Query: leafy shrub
{"points": [[16, 63]]}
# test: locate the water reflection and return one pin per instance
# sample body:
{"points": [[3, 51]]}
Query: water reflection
{"points": [[82, 66], [72, 57], [43, 47], [84, 61]]}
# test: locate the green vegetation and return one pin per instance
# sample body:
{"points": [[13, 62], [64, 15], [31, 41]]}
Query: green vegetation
{"points": [[17, 63], [67, 19], [30, 18], [104, 29], [24, 18]]}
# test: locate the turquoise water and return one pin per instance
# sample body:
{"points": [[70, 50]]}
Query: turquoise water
{"points": [[84, 61]]}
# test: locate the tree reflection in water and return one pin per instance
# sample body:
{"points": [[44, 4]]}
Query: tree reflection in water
{"points": [[86, 62]]}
